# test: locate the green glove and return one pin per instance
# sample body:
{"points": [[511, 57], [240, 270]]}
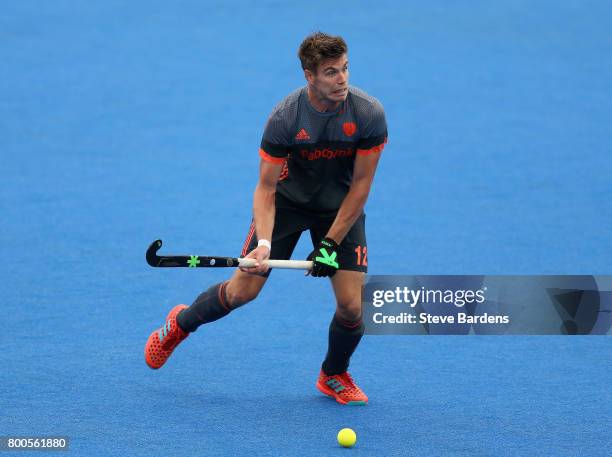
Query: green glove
{"points": [[324, 258]]}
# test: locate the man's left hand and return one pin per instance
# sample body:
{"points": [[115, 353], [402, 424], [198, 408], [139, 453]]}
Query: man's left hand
{"points": [[324, 258]]}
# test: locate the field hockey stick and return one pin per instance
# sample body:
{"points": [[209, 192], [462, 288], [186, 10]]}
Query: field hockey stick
{"points": [[202, 261]]}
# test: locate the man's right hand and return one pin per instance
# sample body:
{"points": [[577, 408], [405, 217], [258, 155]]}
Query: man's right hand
{"points": [[260, 254]]}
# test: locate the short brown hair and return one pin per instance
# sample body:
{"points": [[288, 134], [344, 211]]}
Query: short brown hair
{"points": [[319, 47]]}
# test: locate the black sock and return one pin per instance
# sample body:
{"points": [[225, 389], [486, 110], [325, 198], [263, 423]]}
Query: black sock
{"points": [[343, 339], [208, 307]]}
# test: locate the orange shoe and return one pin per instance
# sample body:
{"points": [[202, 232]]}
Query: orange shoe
{"points": [[162, 341], [342, 388]]}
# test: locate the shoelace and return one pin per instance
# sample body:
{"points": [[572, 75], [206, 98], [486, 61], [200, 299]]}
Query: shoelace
{"points": [[348, 383]]}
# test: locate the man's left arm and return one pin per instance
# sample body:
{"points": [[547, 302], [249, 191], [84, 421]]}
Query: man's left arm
{"points": [[369, 147], [354, 202]]}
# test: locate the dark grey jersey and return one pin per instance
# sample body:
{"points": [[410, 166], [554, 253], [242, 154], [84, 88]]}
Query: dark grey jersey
{"points": [[318, 150]]}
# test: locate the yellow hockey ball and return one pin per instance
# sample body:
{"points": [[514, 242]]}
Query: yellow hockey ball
{"points": [[347, 437]]}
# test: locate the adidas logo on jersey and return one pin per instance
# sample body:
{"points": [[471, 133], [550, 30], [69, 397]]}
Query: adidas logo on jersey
{"points": [[302, 135]]}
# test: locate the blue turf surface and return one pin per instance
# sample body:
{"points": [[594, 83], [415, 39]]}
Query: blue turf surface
{"points": [[121, 122]]}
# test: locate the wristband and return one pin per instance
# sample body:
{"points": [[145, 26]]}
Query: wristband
{"points": [[265, 243]]}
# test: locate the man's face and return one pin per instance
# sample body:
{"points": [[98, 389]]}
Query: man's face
{"points": [[330, 80]]}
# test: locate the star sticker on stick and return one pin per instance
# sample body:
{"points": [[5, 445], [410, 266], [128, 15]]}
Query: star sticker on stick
{"points": [[193, 261]]}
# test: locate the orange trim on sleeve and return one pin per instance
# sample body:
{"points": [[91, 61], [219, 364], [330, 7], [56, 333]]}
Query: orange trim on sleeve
{"points": [[268, 158], [379, 148]]}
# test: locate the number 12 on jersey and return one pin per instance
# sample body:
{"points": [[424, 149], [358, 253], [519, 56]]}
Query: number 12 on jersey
{"points": [[362, 255]]}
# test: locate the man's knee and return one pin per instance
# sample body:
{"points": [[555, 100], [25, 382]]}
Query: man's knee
{"points": [[239, 297], [349, 310], [347, 288], [242, 289]]}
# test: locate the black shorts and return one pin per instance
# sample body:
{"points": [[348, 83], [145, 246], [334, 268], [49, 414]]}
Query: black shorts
{"points": [[290, 222]]}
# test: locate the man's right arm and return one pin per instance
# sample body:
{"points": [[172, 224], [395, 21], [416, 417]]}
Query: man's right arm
{"points": [[264, 199], [273, 152], [264, 209]]}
